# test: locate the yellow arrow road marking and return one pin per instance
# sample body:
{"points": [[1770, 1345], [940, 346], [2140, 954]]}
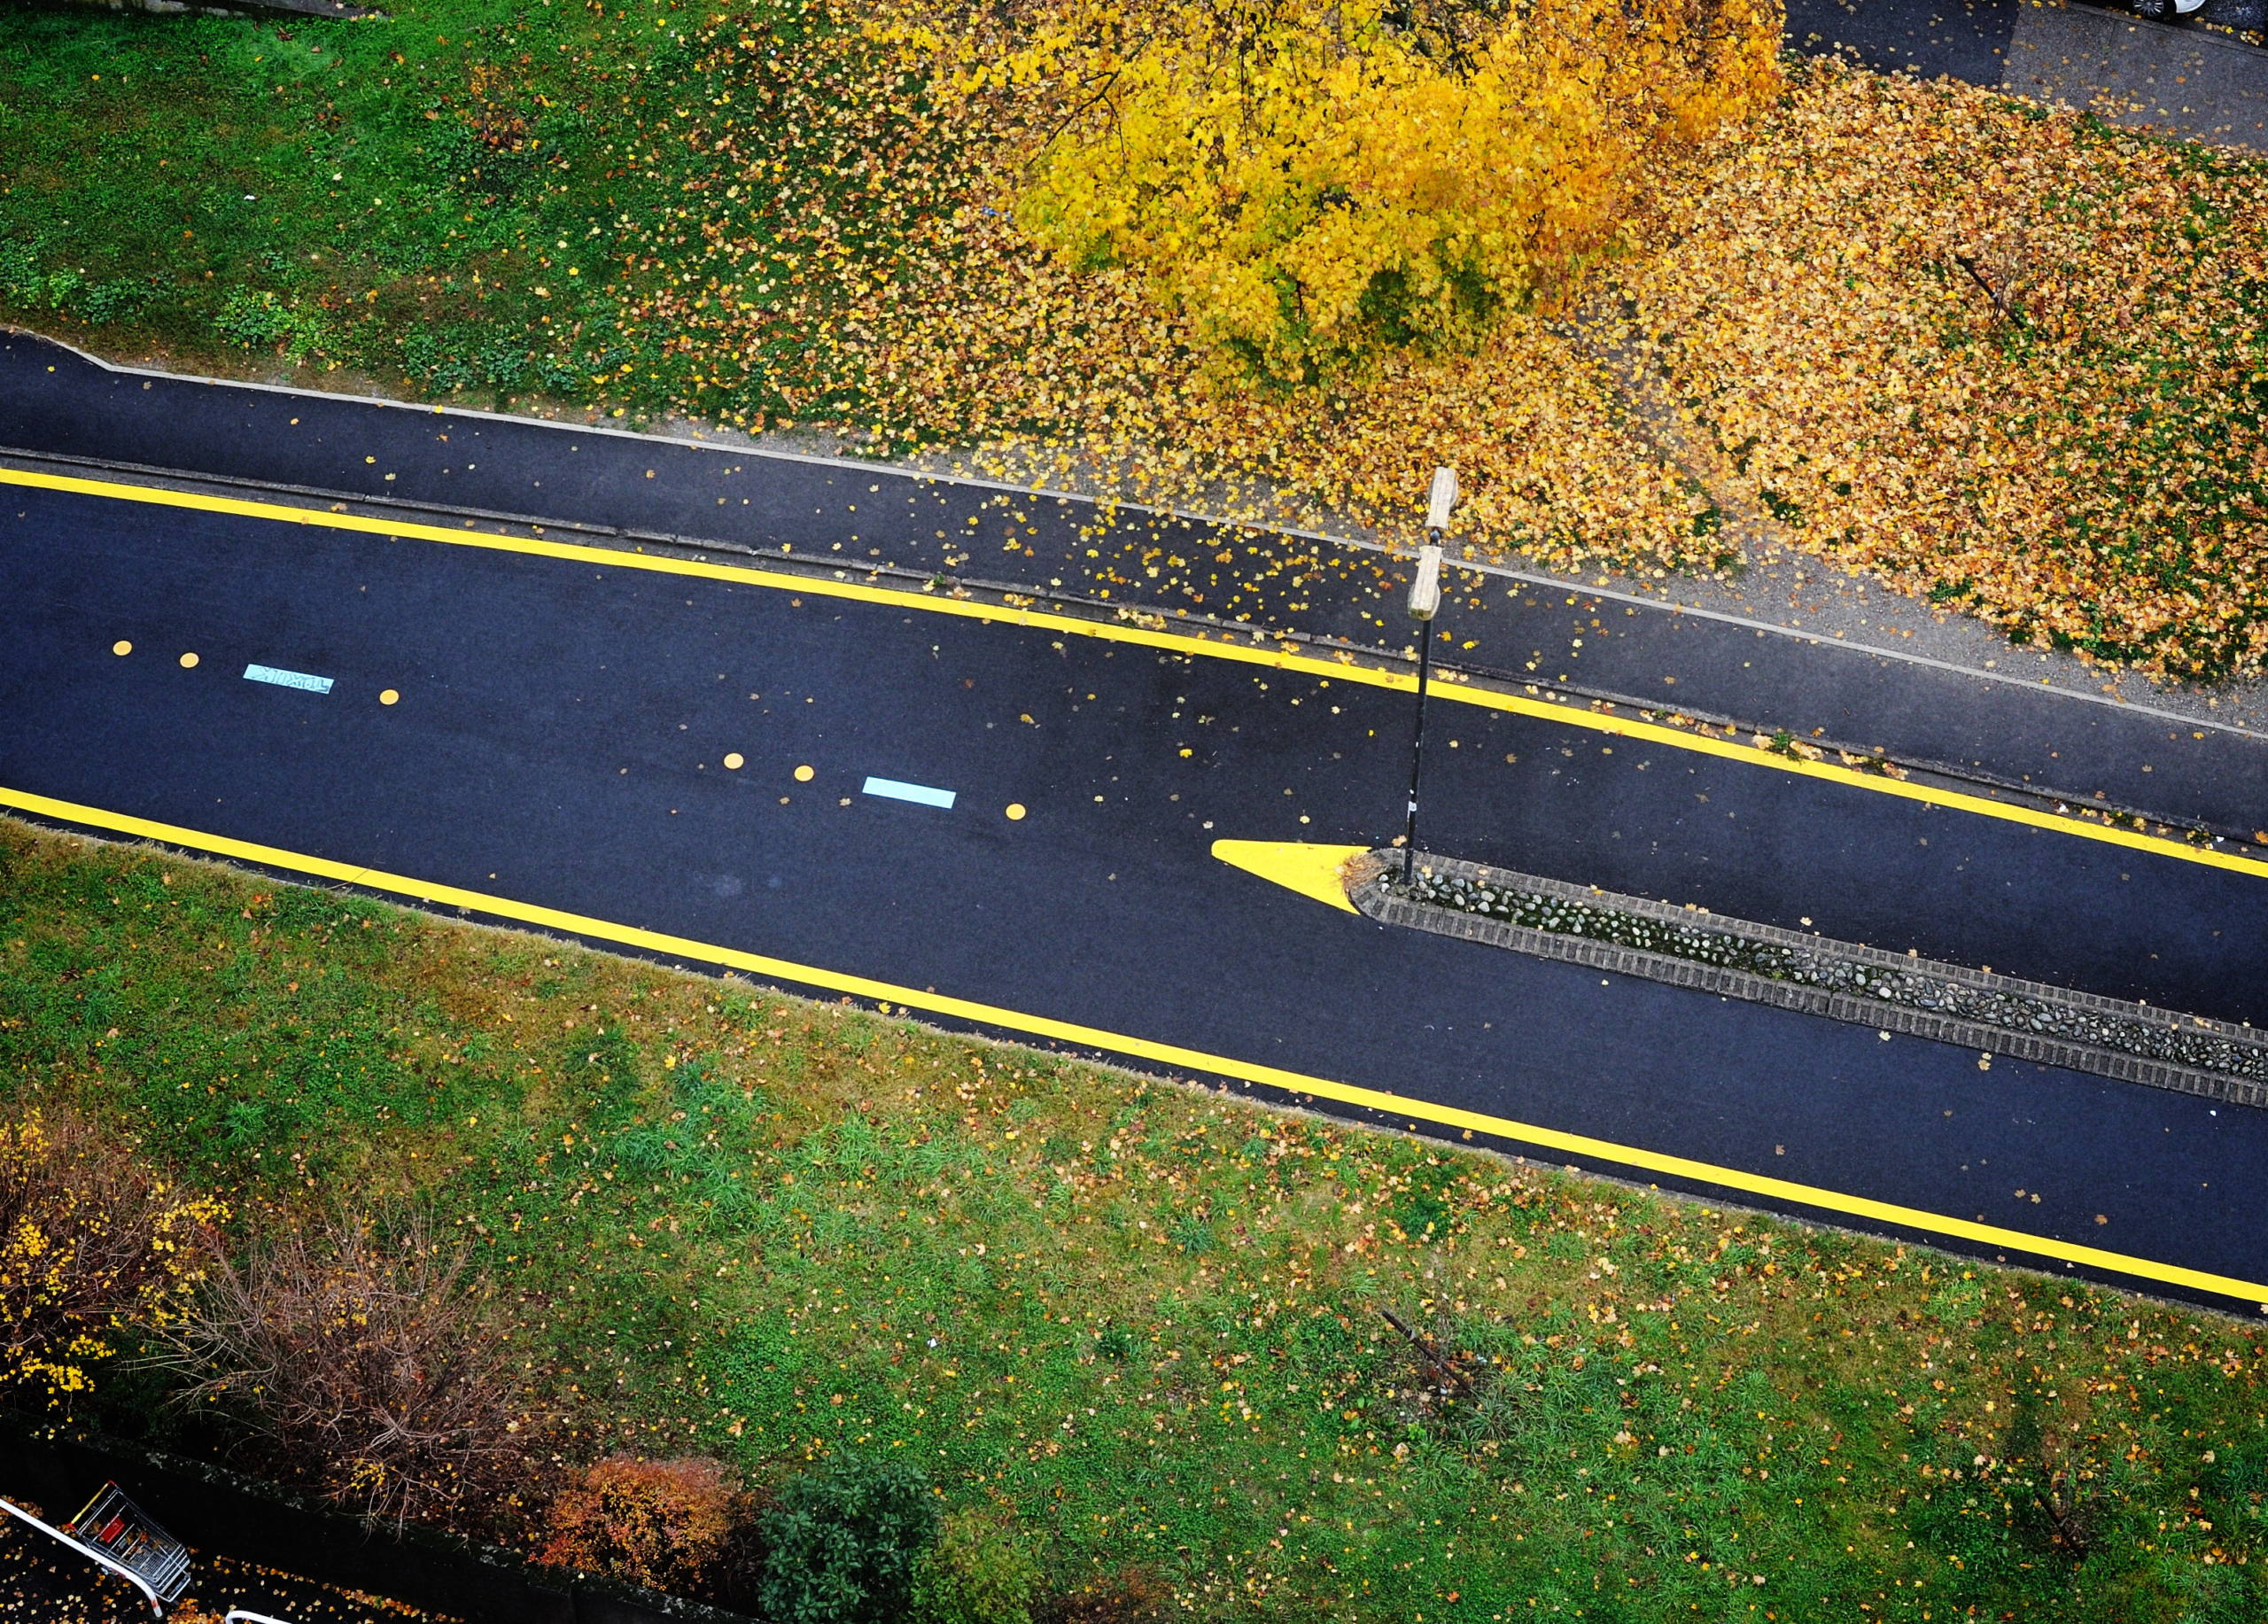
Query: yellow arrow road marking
{"points": [[1341, 669], [1172, 1055], [1311, 870]]}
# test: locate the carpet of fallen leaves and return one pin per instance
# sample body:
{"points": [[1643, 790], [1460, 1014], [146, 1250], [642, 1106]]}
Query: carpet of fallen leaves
{"points": [[2003, 356], [947, 325]]}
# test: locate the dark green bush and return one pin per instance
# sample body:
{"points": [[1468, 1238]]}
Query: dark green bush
{"points": [[842, 1543]]}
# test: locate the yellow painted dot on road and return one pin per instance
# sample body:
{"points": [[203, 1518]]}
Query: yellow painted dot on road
{"points": [[732, 759], [188, 662], [121, 647], [1015, 812], [387, 696], [804, 775]]}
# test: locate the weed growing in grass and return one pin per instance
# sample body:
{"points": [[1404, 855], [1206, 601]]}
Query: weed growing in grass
{"points": [[778, 1231]]}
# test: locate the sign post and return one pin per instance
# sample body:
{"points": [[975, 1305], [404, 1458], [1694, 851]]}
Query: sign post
{"points": [[1424, 603]]}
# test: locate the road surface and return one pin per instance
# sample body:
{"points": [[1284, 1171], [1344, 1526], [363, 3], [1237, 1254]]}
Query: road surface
{"points": [[719, 766]]}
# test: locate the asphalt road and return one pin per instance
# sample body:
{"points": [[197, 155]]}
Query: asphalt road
{"points": [[1962, 39], [53, 400], [560, 737], [45, 1583]]}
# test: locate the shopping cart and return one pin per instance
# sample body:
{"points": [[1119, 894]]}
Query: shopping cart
{"points": [[122, 1535]]}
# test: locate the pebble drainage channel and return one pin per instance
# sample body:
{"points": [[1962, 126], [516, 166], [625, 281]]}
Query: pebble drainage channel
{"points": [[1688, 947]]}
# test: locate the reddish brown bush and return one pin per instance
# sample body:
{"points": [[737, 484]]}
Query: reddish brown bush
{"points": [[370, 1362], [662, 1523]]}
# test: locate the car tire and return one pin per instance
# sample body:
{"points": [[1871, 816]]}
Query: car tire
{"points": [[2156, 11]]}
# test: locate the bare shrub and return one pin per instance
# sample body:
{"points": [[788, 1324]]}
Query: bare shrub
{"points": [[368, 1360], [660, 1523], [91, 1242]]}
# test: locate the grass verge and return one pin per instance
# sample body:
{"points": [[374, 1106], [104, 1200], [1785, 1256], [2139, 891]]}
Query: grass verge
{"points": [[1142, 1319]]}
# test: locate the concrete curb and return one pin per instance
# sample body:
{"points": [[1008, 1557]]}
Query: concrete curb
{"points": [[1370, 896]]}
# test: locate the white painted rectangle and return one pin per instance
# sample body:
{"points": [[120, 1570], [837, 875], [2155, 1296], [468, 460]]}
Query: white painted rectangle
{"points": [[287, 679], [921, 795]]}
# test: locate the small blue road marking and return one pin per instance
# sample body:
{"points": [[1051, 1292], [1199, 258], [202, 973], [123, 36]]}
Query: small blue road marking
{"points": [[919, 792], [287, 679]]}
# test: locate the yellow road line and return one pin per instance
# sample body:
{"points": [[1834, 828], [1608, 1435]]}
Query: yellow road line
{"points": [[1141, 1048], [1340, 669]]}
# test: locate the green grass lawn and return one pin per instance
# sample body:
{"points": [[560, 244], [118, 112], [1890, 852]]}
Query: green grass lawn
{"points": [[482, 197], [1140, 1317]]}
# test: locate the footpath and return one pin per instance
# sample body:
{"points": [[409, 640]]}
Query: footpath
{"points": [[1972, 708], [2185, 79]]}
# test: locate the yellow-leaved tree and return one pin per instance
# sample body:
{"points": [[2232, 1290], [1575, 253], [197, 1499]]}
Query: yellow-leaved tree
{"points": [[1306, 179], [92, 1243]]}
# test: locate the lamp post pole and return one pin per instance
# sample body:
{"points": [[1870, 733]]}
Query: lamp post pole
{"points": [[1425, 603]]}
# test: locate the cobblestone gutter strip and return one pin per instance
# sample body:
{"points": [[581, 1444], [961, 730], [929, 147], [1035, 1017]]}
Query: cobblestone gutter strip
{"points": [[1846, 981]]}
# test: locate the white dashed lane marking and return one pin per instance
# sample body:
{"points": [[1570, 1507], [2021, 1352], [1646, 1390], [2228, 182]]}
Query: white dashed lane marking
{"points": [[287, 679], [921, 794]]}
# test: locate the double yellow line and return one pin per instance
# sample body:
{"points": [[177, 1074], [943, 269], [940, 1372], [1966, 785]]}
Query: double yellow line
{"points": [[1553, 1140]]}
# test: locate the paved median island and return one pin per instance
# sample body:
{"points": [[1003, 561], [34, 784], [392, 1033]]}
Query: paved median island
{"points": [[1688, 946]]}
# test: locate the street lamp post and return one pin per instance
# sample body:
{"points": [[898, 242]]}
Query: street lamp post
{"points": [[1425, 603]]}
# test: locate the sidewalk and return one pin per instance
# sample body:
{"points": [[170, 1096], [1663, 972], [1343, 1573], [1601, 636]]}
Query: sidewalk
{"points": [[2182, 79], [1951, 694]]}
